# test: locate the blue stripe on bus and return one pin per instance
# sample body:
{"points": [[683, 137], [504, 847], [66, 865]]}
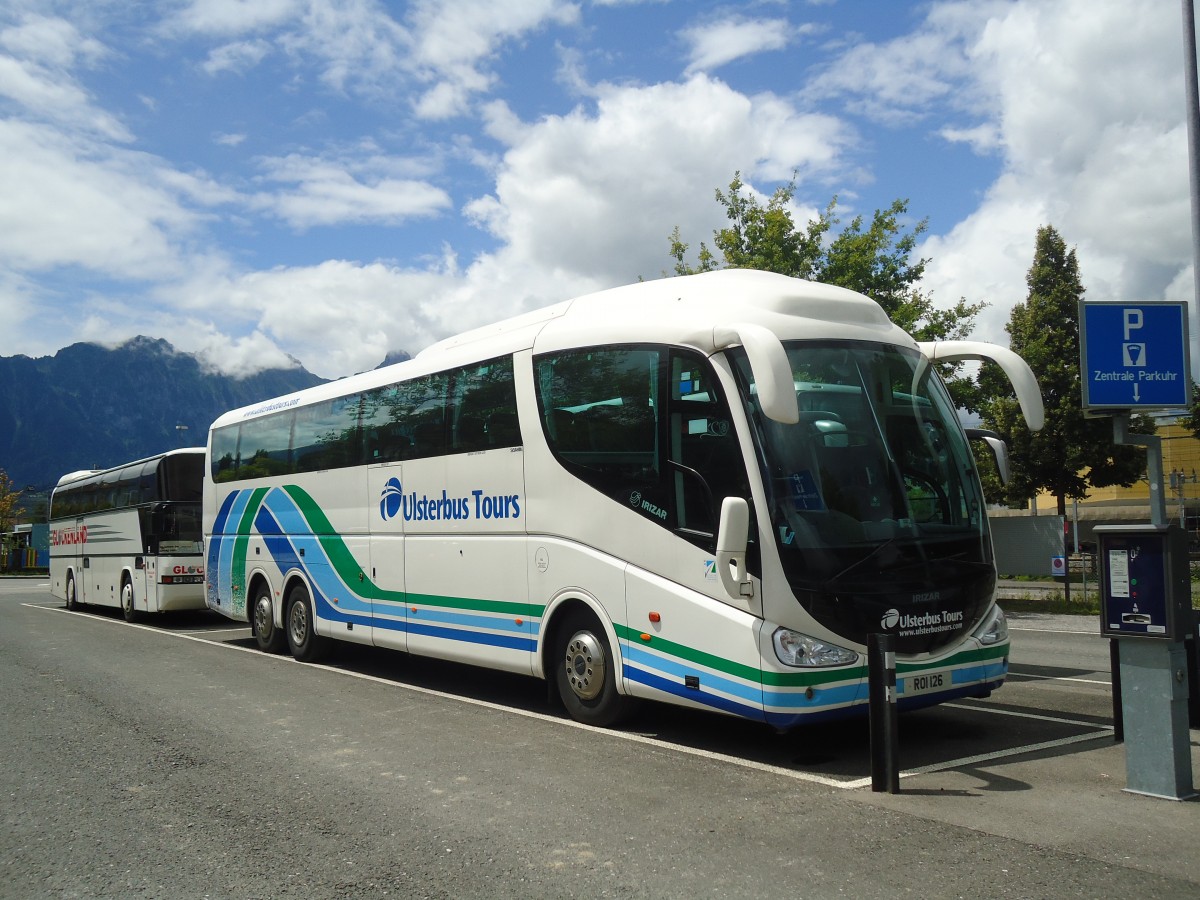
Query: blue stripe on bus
{"points": [[284, 551], [639, 655], [641, 676], [473, 637], [213, 562]]}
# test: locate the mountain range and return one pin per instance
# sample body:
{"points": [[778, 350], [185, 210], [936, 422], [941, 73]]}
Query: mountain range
{"points": [[90, 407]]}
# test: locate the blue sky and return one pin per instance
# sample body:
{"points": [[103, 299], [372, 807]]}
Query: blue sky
{"points": [[331, 181]]}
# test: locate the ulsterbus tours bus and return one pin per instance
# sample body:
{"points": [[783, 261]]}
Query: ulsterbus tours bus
{"points": [[131, 536], [707, 490]]}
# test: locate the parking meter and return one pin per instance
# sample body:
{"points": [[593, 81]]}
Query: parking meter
{"points": [[1145, 584]]}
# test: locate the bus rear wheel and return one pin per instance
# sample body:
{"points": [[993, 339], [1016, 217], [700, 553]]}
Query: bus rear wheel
{"points": [[262, 620], [128, 607], [585, 672], [306, 645], [72, 600]]}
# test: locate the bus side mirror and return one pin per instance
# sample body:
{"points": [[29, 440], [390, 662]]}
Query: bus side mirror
{"points": [[731, 547], [997, 446]]}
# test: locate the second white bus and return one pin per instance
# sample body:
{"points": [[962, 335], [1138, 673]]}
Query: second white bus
{"points": [[707, 491], [130, 536]]}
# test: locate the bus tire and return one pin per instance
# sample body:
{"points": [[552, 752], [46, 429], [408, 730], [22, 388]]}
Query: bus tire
{"points": [[72, 600], [128, 607], [270, 638], [585, 672], [300, 624]]}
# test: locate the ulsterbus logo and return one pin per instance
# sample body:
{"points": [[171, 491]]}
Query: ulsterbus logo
{"points": [[391, 500], [923, 623], [414, 507]]}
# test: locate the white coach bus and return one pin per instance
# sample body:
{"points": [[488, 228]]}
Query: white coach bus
{"points": [[130, 536], [705, 490]]}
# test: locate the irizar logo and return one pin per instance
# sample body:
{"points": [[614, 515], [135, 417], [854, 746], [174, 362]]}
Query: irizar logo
{"points": [[414, 507], [637, 501]]}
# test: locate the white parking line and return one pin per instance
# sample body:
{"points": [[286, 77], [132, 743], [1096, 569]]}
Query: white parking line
{"points": [[1012, 674], [1094, 730]]}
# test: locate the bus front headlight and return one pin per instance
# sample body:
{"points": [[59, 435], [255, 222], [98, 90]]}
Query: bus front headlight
{"points": [[995, 628], [800, 650]]}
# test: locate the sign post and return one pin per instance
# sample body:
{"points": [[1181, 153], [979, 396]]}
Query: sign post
{"points": [[1135, 357]]}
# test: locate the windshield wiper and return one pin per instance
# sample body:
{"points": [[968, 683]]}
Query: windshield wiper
{"points": [[858, 562]]}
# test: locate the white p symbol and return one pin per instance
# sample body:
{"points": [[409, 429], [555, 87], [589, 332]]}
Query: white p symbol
{"points": [[1133, 320]]}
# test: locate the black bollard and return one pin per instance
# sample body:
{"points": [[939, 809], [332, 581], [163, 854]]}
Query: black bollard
{"points": [[881, 678]]}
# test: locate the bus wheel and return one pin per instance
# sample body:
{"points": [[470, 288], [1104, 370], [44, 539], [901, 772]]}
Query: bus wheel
{"points": [[270, 639], [306, 645], [72, 602], [127, 606], [585, 672]]}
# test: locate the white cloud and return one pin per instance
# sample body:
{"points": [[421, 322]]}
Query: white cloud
{"points": [[597, 194], [1083, 103], [718, 43], [332, 192], [436, 56], [72, 203], [337, 317], [35, 73], [225, 18], [236, 57], [1087, 106]]}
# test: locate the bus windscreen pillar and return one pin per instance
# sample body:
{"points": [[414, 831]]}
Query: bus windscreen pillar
{"points": [[1145, 604]]}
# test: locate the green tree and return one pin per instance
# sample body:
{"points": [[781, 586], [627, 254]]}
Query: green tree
{"points": [[876, 260], [9, 505], [1071, 453], [1192, 420]]}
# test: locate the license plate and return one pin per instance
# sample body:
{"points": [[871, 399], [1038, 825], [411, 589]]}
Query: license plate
{"points": [[923, 684]]}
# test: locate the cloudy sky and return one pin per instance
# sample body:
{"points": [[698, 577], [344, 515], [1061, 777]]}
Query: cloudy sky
{"points": [[332, 180]]}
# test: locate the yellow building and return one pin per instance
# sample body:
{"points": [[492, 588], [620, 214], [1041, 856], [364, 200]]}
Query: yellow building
{"points": [[1181, 491]]}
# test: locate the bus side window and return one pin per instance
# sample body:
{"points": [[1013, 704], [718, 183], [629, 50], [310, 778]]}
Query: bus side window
{"points": [[600, 412], [703, 442]]}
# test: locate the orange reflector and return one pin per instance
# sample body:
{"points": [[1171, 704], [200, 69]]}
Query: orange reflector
{"points": [[520, 621], [414, 609], [645, 637], [655, 617]]}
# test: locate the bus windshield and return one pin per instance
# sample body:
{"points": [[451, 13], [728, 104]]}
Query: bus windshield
{"points": [[873, 494]]}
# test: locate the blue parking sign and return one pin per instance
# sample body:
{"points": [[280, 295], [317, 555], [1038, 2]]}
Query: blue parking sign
{"points": [[1134, 355]]}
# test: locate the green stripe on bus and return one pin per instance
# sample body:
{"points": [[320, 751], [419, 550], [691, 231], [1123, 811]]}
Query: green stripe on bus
{"points": [[241, 545], [507, 607], [335, 550], [736, 669], [794, 679]]}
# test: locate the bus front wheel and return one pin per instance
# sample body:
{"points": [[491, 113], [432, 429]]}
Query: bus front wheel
{"points": [[72, 600], [586, 672], [128, 608], [306, 645], [270, 638]]}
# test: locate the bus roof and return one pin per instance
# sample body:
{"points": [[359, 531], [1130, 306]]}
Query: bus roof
{"points": [[685, 310], [87, 473]]}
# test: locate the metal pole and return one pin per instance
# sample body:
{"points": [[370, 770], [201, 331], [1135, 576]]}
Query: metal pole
{"points": [[1193, 131], [1154, 467], [881, 684]]}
